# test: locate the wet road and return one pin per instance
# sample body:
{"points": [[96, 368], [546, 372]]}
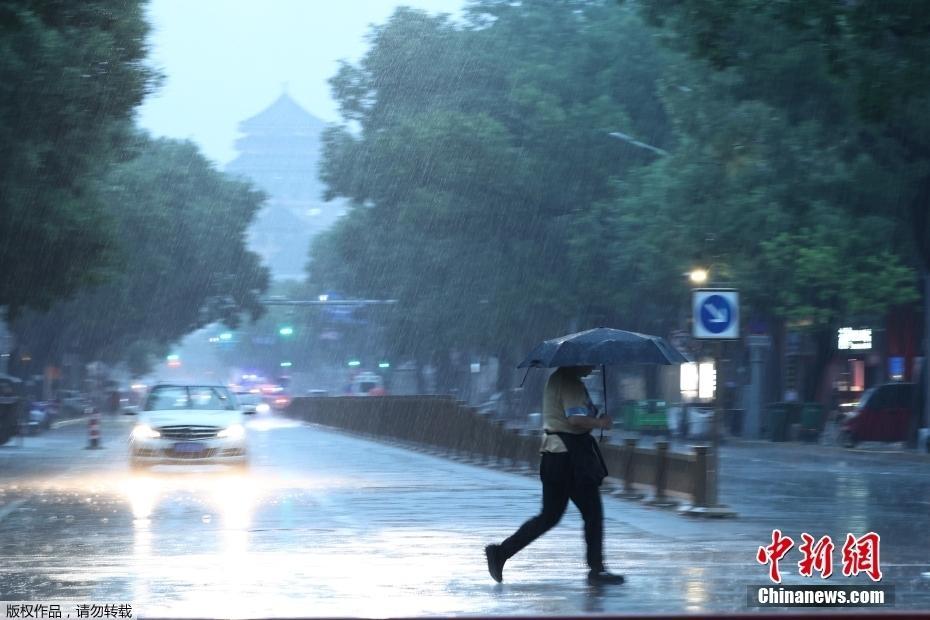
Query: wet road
{"points": [[329, 524]]}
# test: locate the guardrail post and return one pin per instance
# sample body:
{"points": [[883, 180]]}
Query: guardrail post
{"points": [[629, 464], [660, 499]]}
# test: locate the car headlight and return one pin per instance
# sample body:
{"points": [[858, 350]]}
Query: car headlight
{"points": [[144, 431], [262, 408], [236, 431]]}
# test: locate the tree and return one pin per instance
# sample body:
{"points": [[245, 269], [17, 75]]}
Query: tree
{"points": [[71, 75], [803, 121], [861, 69], [468, 150], [183, 263]]}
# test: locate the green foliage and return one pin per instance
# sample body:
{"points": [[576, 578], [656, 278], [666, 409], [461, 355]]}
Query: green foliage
{"points": [[827, 277], [71, 74], [859, 69], [477, 158], [468, 152], [182, 261]]}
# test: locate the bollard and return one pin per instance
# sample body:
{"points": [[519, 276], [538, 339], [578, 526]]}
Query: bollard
{"points": [[700, 476], [629, 452], [704, 504], [660, 499], [93, 431]]}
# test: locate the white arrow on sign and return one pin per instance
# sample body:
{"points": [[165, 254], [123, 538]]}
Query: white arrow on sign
{"points": [[718, 315]]}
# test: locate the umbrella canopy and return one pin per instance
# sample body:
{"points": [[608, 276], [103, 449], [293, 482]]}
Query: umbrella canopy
{"points": [[602, 346]]}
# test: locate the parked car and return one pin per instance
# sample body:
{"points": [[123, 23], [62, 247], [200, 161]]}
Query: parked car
{"points": [[12, 405], [40, 417], [72, 403], [190, 424], [884, 413]]}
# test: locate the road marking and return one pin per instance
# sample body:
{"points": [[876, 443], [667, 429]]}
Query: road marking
{"points": [[9, 508]]}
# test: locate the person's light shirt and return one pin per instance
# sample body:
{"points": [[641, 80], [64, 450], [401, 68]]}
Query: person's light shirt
{"points": [[565, 396]]}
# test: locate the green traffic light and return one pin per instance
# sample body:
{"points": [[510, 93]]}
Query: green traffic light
{"points": [[286, 331]]}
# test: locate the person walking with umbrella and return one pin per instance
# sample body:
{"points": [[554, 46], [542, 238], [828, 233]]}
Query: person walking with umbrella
{"points": [[571, 468]]}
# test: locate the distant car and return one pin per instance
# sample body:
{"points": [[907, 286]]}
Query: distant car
{"points": [[884, 413], [280, 401], [72, 403], [190, 424], [40, 418], [249, 400], [367, 384]]}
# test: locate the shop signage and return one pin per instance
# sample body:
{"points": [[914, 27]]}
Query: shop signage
{"points": [[849, 339]]}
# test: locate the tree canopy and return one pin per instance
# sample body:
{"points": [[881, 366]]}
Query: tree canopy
{"points": [[468, 149], [71, 74], [181, 261], [782, 152]]}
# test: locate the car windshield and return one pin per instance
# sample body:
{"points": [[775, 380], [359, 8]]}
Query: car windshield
{"points": [[202, 398]]}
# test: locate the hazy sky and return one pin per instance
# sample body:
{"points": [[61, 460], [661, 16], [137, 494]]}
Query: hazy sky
{"points": [[226, 60]]}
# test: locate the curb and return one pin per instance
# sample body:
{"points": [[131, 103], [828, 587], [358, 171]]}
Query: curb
{"points": [[824, 449]]}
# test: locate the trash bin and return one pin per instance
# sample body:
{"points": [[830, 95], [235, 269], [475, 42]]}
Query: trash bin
{"points": [[628, 411], [812, 421], [734, 419], [923, 440], [675, 420], [653, 415], [776, 415], [700, 421]]}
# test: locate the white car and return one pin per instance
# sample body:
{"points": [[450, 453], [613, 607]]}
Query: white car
{"points": [[189, 424]]}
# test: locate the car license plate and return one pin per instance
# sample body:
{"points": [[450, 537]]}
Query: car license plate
{"points": [[188, 448]]}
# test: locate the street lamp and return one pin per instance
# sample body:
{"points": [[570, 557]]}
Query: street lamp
{"points": [[698, 276]]}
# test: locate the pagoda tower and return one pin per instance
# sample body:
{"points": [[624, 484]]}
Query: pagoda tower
{"points": [[279, 151]]}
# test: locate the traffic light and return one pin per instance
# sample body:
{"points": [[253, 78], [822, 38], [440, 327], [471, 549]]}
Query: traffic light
{"points": [[287, 330]]}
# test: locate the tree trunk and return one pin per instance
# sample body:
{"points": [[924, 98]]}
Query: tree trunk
{"points": [[813, 380]]}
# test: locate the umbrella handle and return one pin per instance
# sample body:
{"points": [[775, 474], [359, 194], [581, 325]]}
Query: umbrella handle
{"points": [[604, 383]]}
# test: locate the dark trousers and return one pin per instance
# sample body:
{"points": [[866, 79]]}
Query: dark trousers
{"points": [[556, 493]]}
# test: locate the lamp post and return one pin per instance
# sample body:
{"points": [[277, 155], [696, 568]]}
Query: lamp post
{"points": [[715, 313]]}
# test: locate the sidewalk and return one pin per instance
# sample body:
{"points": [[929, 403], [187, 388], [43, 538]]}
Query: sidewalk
{"points": [[825, 448]]}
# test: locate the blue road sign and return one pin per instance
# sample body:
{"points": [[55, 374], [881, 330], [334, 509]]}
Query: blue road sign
{"points": [[716, 314]]}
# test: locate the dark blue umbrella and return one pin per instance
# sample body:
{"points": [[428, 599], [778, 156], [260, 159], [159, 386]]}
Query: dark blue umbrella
{"points": [[603, 346]]}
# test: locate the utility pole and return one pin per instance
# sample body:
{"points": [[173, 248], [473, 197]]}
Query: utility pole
{"points": [[753, 423]]}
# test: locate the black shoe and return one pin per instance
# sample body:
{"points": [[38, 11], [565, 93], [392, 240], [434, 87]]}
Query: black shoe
{"points": [[495, 562], [602, 576]]}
